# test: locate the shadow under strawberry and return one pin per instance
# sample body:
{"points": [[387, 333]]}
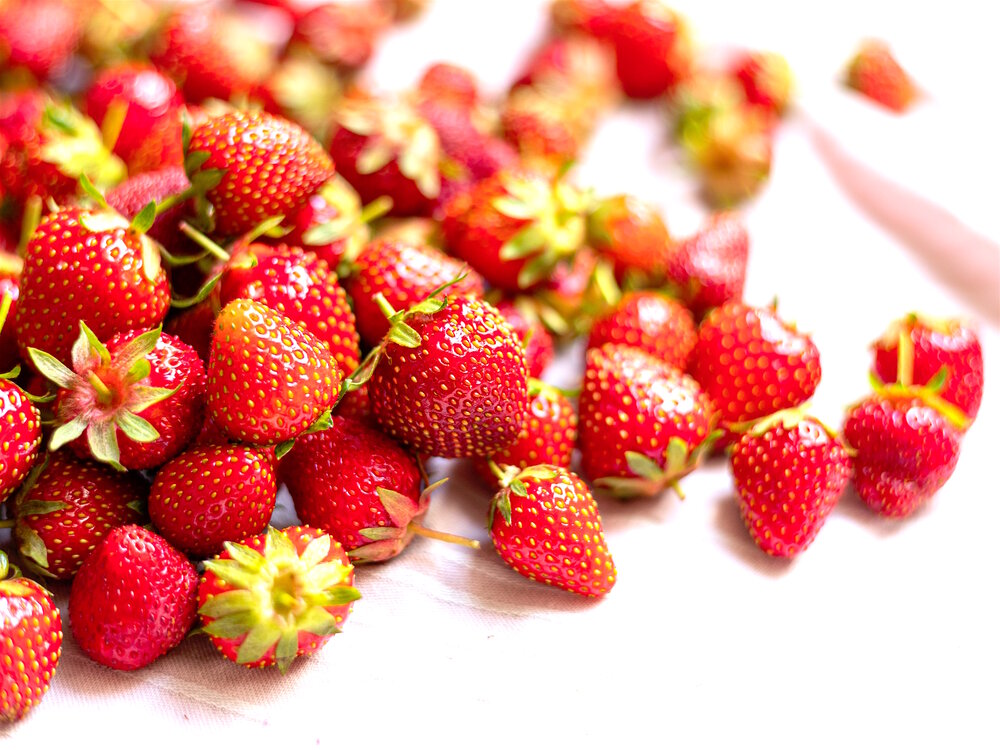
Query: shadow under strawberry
{"points": [[738, 541]]}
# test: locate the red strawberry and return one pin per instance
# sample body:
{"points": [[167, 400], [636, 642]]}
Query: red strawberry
{"points": [[751, 363], [342, 34], [135, 193], [404, 274], [547, 131], [658, 325], [96, 251], [69, 508], [450, 84], [643, 423], [194, 327], [547, 437], [20, 425], [790, 470], [766, 79], [270, 166], [588, 16], [276, 596], [450, 379], [269, 379], [575, 68], [39, 36], [876, 74], [212, 494], [133, 600], [134, 402], [538, 347], [709, 268], [632, 236], [936, 344], [546, 526], [30, 642], [356, 405], [653, 49]]}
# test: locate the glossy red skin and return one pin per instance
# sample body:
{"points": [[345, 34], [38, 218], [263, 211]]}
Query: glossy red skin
{"points": [[463, 392], [632, 401], [957, 348], [539, 350], [342, 34], [751, 363], [39, 36], [9, 355], [788, 481], [133, 600], [211, 585], [212, 494], [135, 193], [23, 172], [20, 436], [658, 325], [709, 268], [97, 499], [301, 287], [356, 405], [150, 137], [271, 166], [30, 646], [405, 273], [649, 56], [55, 297]]}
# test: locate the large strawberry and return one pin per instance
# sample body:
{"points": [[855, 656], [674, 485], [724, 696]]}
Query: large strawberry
{"points": [[545, 525], [709, 268], [30, 642], [213, 494], [69, 507], [108, 277], [875, 73], [133, 599], [631, 235], [644, 424], [276, 596], [269, 379], [790, 470], [269, 166], [655, 323]]}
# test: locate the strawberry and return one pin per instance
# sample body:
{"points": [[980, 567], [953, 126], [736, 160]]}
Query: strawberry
{"points": [[564, 299], [97, 250], [574, 68], [450, 379], [268, 378], [342, 34], [20, 425], [68, 508], [269, 167], [212, 494], [709, 268], [539, 349], [790, 470], [594, 17], [356, 405], [643, 423], [547, 437], [30, 642], [276, 596], [451, 84], [766, 79], [653, 50], [658, 325], [133, 600], [875, 73], [10, 287], [134, 402], [752, 363], [194, 327], [936, 343], [544, 129], [404, 274], [632, 236], [38, 36], [134, 194], [546, 526]]}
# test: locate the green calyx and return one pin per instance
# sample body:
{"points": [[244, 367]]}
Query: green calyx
{"points": [[75, 145], [649, 477], [512, 480]]}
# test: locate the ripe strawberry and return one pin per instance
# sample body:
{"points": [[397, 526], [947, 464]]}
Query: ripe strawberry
{"points": [[936, 344], [576, 69], [450, 379], [69, 508], [212, 494], [564, 300], [30, 642], [356, 405], [276, 596], [766, 79], [523, 321], [38, 36], [270, 166], [134, 402], [449, 84], [97, 251], [632, 236], [790, 470], [658, 325], [194, 327], [644, 424], [133, 600], [269, 379], [546, 526], [342, 34], [404, 274], [544, 129], [751, 363], [20, 426], [653, 49], [709, 268], [875, 73], [10, 286]]}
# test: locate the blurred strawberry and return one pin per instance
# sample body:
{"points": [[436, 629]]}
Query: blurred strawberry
{"points": [[38, 35], [766, 79], [523, 319], [650, 321], [631, 235], [709, 268], [876, 74], [653, 49], [342, 34]]}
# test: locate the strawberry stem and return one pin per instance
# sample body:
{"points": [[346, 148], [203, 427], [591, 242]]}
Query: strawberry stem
{"points": [[5, 304], [375, 210], [416, 528], [6, 524], [204, 242], [104, 394], [29, 222], [904, 363]]}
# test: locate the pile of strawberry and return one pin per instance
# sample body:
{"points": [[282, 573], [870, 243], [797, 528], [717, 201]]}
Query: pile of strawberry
{"points": [[232, 268]]}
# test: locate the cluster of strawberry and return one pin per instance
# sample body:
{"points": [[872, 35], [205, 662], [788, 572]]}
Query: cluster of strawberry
{"points": [[319, 288]]}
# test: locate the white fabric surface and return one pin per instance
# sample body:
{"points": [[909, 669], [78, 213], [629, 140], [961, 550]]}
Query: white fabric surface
{"points": [[882, 633]]}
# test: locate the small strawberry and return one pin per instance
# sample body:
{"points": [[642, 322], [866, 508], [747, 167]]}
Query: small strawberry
{"points": [[546, 526], [269, 379], [134, 194], [653, 49], [576, 69], [545, 130], [133, 600], [644, 424], [212, 494], [709, 268], [539, 349], [39, 36], [632, 236], [30, 642], [68, 508], [451, 84], [766, 79], [564, 299], [276, 596], [790, 470], [875, 73], [752, 363], [268, 166], [342, 34], [650, 321]]}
